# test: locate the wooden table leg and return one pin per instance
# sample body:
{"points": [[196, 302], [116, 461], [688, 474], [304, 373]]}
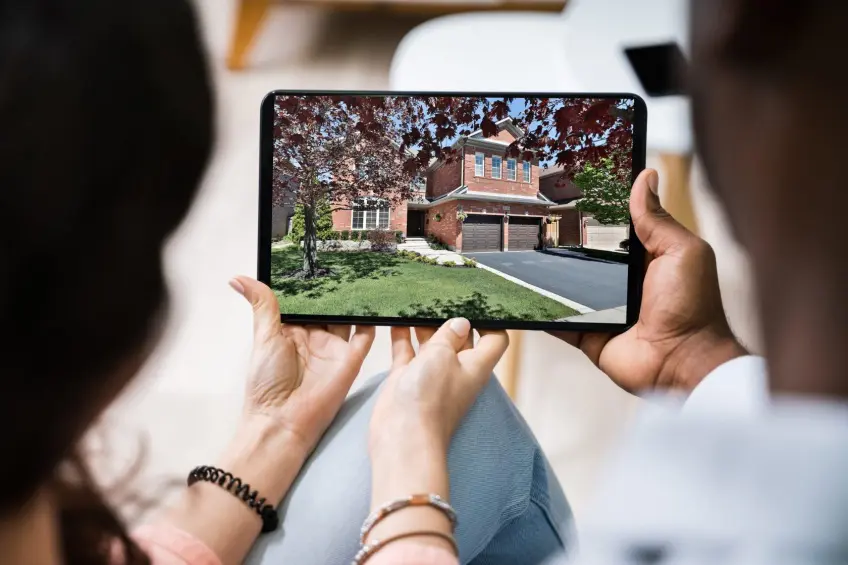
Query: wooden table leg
{"points": [[249, 17]]}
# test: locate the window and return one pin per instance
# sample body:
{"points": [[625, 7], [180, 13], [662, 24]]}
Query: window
{"points": [[370, 214], [527, 169], [510, 169], [479, 165], [497, 164]]}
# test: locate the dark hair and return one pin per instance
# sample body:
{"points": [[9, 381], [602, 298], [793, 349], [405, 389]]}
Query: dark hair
{"points": [[105, 129]]}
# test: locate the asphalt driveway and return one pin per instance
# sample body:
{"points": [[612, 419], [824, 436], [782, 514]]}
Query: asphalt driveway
{"points": [[596, 283]]}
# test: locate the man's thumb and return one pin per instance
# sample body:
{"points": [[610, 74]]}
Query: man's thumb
{"points": [[656, 229], [266, 309]]}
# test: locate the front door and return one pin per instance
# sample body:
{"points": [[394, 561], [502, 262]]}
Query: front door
{"points": [[415, 223]]}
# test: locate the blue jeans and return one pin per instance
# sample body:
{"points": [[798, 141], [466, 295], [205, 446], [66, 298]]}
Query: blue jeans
{"points": [[511, 508]]}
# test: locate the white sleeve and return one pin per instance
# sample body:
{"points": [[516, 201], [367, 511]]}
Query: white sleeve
{"points": [[738, 388]]}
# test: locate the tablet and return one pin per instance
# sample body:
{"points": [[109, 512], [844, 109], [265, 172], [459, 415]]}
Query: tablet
{"points": [[407, 209]]}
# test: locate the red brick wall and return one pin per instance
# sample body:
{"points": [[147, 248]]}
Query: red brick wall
{"points": [[448, 228], [569, 227], [502, 186], [503, 135], [444, 179]]}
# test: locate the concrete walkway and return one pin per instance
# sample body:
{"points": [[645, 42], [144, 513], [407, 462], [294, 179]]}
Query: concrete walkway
{"points": [[420, 246]]}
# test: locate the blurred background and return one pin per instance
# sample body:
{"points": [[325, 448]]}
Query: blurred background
{"points": [[186, 402]]}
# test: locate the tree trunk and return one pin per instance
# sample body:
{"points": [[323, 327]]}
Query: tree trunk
{"points": [[310, 242]]}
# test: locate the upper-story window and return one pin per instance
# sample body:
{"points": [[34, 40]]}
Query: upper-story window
{"points": [[497, 166], [419, 184], [479, 165], [510, 169], [527, 171], [370, 214]]}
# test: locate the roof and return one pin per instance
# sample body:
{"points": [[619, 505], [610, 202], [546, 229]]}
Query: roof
{"points": [[554, 184], [507, 123], [463, 193]]}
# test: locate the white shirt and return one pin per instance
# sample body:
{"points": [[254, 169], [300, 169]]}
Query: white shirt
{"points": [[734, 478]]}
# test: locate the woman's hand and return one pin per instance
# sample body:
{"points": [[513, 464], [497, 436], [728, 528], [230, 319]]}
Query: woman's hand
{"points": [[428, 394], [682, 333], [298, 380], [419, 408], [299, 375]]}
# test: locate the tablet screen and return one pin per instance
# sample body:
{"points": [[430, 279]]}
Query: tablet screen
{"points": [[508, 208]]}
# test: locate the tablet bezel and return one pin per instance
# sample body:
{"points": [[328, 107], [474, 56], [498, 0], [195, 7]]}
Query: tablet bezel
{"points": [[636, 259]]}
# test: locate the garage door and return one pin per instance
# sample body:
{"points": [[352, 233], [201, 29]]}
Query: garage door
{"points": [[599, 236], [523, 233], [481, 233]]}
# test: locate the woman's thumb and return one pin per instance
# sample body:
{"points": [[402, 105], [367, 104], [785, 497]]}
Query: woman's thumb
{"points": [[266, 309], [656, 229], [453, 333]]}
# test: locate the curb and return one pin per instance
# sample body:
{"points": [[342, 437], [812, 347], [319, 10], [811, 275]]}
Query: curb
{"points": [[610, 256], [581, 308]]}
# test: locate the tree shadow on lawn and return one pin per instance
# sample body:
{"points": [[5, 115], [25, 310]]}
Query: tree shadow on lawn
{"points": [[344, 266], [474, 307]]}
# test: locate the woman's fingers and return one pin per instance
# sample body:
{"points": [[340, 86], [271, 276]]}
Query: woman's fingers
{"points": [[340, 331], [453, 334], [481, 360], [266, 309], [424, 333], [360, 345], [402, 351]]}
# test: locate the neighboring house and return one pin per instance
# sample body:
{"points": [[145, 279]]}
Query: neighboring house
{"points": [[573, 226], [499, 196]]}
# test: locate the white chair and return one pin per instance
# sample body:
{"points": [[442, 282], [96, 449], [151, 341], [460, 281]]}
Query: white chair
{"points": [[579, 50]]}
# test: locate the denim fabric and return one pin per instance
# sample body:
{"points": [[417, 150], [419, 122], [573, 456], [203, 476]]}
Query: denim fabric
{"points": [[511, 508]]}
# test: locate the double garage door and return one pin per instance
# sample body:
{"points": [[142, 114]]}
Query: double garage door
{"points": [[484, 233]]}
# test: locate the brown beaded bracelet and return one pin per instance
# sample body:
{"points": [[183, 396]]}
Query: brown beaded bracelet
{"points": [[432, 500], [368, 550]]}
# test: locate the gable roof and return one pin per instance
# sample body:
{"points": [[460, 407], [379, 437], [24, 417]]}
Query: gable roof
{"points": [[505, 124]]}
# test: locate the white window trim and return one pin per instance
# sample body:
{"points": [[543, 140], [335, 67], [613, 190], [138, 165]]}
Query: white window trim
{"points": [[514, 170], [365, 213], [500, 169], [483, 174], [529, 169]]}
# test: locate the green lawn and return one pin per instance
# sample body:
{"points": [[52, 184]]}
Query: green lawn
{"points": [[382, 284]]}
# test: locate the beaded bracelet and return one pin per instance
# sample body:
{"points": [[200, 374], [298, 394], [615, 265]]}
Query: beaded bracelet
{"points": [[368, 550], [432, 500]]}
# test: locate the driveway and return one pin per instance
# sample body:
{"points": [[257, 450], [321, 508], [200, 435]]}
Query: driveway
{"points": [[596, 283]]}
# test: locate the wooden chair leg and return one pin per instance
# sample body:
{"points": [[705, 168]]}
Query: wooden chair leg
{"points": [[676, 193], [512, 364], [249, 17]]}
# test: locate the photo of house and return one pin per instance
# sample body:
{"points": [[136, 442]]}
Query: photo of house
{"points": [[499, 196], [440, 207]]}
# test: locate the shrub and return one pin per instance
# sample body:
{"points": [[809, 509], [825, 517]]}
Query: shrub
{"points": [[354, 235], [333, 236], [345, 235], [449, 264], [324, 212], [469, 262], [399, 236], [381, 240]]}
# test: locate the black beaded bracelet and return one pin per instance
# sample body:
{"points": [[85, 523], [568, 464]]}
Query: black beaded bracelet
{"points": [[241, 490]]}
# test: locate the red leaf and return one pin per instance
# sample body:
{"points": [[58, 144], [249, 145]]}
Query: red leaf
{"points": [[488, 127]]}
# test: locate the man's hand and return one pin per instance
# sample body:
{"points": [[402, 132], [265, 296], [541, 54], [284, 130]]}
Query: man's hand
{"points": [[682, 333]]}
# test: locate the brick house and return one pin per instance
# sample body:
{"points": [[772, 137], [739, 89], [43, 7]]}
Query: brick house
{"points": [[574, 227], [498, 196]]}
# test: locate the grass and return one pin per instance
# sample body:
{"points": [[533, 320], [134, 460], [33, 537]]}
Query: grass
{"points": [[383, 284]]}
